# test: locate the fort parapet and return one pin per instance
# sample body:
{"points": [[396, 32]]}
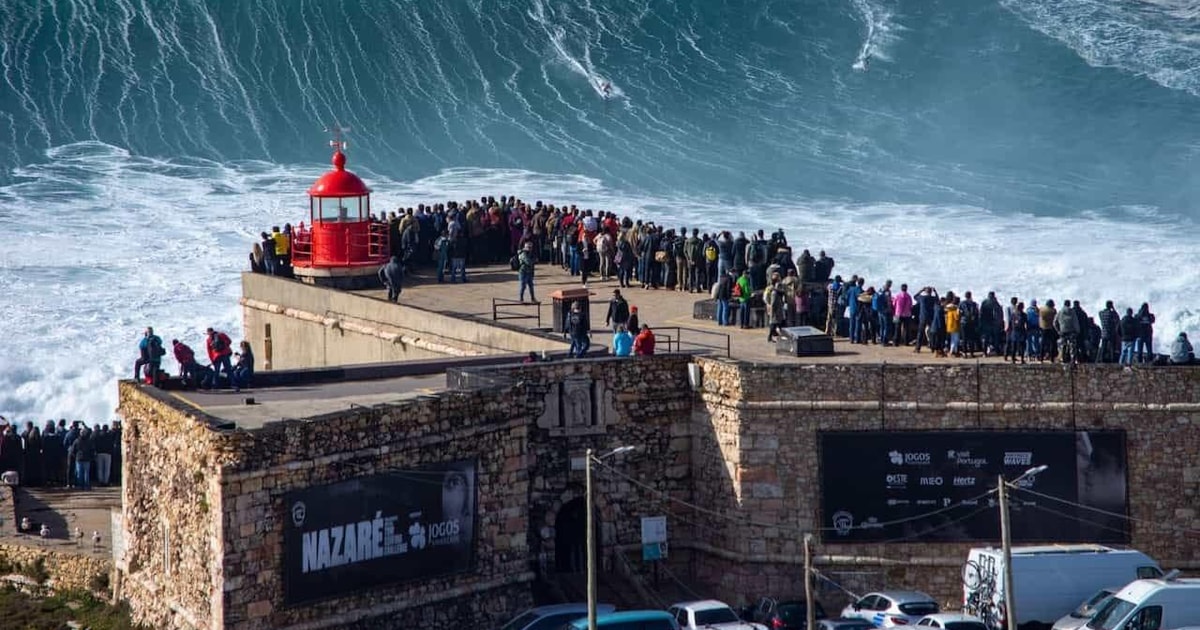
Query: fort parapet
{"points": [[730, 452]]}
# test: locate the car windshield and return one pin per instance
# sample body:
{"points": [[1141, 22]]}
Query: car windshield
{"points": [[965, 625], [797, 613], [919, 609], [1111, 614], [716, 615], [521, 621], [1089, 608]]}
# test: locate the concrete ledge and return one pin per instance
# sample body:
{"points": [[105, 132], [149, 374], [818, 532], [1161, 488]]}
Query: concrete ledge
{"points": [[370, 371]]}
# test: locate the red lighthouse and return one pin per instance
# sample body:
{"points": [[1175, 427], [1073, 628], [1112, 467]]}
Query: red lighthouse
{"points": [[341, 246]]}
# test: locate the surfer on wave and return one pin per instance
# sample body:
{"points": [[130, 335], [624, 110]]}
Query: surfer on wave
{"points": [[605, 90]]}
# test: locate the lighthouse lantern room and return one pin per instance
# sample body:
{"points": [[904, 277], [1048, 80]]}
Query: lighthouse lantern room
{"points": [[341, 246]]}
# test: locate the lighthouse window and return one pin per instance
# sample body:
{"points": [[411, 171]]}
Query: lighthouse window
{"points": [[338, 209]]}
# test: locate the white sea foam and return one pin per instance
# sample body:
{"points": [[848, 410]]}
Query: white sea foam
{"points": [[101, 244], [881, 31], [1154, 38]]}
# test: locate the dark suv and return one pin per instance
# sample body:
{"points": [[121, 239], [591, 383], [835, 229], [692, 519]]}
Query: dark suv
{"points": [[785, 615]]}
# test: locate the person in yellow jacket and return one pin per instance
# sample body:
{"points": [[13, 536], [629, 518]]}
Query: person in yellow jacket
{"points": [[953, 325], [283, 247]]}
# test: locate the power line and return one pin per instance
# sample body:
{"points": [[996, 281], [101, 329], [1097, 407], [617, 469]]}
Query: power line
{"points": [[845, 590], [1073, 517], [748, 521], [935, 529], [1097, 510]]}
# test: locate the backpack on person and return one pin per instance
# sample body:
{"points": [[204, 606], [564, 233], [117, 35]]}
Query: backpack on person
{"points": [[156, 347], [710, 252]]}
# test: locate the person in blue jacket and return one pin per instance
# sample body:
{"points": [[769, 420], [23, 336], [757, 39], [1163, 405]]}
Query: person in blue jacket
{"points": [[622, 342]]}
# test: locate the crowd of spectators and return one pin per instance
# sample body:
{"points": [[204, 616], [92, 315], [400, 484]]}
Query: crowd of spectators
{"points": [[744, 274], [952, 325], [60, 454]]}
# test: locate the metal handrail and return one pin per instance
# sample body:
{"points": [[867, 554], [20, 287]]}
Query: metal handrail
{"points": [[676, 343], [498, 314]]}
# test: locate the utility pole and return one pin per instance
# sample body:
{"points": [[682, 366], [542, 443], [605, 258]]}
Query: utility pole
{"points": [[591, 529], [1010, 609], [1006, 542], [591, 548], [809, 609]]}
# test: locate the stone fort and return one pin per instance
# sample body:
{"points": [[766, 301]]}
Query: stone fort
{"points": [[231, 510]]}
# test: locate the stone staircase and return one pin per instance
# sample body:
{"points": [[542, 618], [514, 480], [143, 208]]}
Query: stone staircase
{"points": [[611, 588]]}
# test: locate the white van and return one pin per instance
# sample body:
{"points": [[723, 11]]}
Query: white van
{"points": [[1048, 581], [1151, 605]]}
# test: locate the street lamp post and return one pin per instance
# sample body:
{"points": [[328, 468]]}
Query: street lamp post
{"points": [[591, 533], [1010, 617]]}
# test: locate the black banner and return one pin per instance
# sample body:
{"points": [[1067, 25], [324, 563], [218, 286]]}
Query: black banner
{"points": [[933, 486], [398, 526]]}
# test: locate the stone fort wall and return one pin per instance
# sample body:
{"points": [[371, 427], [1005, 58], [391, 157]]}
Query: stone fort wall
{"points": [[757, 427], [734, 465]]}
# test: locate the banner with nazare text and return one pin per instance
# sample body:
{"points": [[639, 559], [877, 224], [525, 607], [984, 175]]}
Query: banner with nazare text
{"points": [[402, 525]]}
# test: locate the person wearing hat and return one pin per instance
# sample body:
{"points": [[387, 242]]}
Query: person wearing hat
{"points": [[1181, 351], [618, 311]]}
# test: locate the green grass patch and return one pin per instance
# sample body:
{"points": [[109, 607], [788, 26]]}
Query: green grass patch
{"points": [[19, 610]]}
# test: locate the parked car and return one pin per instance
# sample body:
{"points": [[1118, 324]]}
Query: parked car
{"points": [[709, 613], [952, 621], [844, 624], [629, 620], [553, 617], [785, 615], [887, 609]]}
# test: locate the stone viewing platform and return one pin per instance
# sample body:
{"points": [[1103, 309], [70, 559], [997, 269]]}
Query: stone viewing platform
{"points": [[662, 309]]}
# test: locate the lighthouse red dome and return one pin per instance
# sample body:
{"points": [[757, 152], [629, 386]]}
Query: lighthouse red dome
{"points": [[339, 182]]}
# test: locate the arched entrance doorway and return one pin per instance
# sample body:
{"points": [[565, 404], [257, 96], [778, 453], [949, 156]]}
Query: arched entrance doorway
{"points": [[570, 537]]}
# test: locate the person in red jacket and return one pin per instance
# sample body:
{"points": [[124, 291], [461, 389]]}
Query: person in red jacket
{"points": [[189, 370], [643, 344], [220, 351]]}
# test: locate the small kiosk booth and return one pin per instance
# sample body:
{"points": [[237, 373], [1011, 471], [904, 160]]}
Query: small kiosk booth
{"points": [[340, 246]]}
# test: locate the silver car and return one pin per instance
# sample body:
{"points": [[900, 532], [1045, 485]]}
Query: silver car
{"points": [[888, 609]]}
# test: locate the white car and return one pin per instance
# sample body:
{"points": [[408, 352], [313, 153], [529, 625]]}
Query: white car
{"points": [[709, 613], [952, 621], [888, 609]]}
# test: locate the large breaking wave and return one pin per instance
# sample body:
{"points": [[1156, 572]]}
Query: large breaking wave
{"points": [[1022, 144]]}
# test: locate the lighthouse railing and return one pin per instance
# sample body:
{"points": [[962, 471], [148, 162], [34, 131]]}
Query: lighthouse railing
{"points": [[378, 241], [302, 246]]}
